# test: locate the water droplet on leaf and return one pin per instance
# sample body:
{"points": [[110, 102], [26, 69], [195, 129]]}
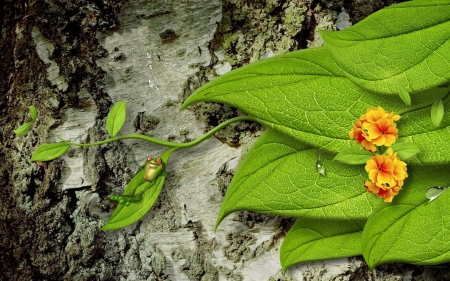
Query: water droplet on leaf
{"points": [[320, 167], [150, 84], [434, 191]]}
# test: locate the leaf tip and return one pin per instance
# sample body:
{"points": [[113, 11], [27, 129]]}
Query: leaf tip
{"points": [[105, 227], [218, 221], [284, 261], [284, 265], [371, 266], [185, 104], [222, 214]]}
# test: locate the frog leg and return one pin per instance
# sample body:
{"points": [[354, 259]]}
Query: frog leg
{"points": [[126, 199], [129, 198]]}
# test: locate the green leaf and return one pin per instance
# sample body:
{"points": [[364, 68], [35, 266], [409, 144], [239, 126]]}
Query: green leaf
{"points": [[437, 112], [405, 150], [278, 176], [50, 151], [291, 93], [126, 215], [116, 118], [405, 45], [33, 112], [353, 156], [315, 239], [411, 229], [24, 129], [405, 96]]}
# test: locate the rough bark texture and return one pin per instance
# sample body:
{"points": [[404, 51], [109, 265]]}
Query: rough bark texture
{"points": [[72, 60]]}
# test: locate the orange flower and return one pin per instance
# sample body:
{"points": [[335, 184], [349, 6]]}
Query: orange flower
{"points": [[380, 169], [374, 114], [386, 174], [387, 194], [361, 137], [383, 132], [399, 172], [375, 128]]}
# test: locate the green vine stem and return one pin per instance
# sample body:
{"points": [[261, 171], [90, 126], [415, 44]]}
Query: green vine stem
{"points": [[53, 133], [163, 142], [423, 105], [214, 130]]}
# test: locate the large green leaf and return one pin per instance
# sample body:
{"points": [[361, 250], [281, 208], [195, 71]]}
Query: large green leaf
{"points": [[126, 215], [411, 229], [304, 94], [291, 93], [315, 239], [403, 46], [278, 176]]}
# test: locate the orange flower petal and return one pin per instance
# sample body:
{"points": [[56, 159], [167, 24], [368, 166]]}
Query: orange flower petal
{"points": [[371, 187]]}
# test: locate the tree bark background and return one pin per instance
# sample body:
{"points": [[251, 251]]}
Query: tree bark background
{"points": [[73, 60]]}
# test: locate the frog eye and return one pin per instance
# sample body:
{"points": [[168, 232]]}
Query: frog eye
{"points": [[150, 158], [158, 160]]}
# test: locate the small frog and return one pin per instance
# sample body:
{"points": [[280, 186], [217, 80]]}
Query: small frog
{"points": [[154, 167]]}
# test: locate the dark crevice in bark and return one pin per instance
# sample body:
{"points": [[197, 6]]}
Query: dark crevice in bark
{"points": [[36, 218], [307, 32]]}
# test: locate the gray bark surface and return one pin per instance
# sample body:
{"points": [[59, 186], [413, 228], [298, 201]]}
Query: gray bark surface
{"points": [[73, 60]]}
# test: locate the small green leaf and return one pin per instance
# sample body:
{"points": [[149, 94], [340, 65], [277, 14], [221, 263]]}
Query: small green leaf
{"points": [[316, 239], [23, 129], [116, 118], [33, 112], [437, 112], [405, 150], [405, 96], [50, 151], [411, 229], [353, 156], [126, 215]]}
